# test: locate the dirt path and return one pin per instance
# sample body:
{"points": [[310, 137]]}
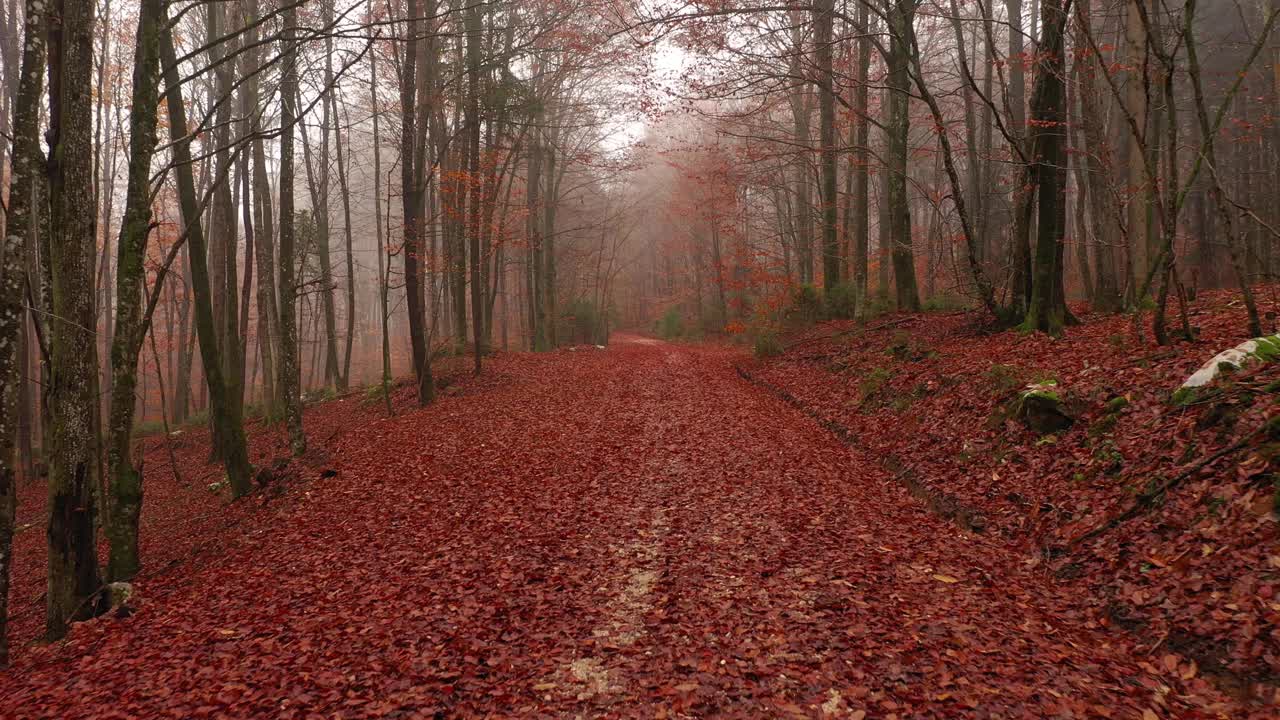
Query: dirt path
{"points": [[626, 533]]}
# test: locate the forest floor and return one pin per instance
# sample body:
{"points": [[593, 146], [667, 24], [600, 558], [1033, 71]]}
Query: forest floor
{"points": [[630, 532]]}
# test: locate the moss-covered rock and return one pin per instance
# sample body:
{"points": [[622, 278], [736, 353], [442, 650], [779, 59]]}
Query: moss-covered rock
{"points": [[1116, 404], [1041, 409], [1250, 352]]}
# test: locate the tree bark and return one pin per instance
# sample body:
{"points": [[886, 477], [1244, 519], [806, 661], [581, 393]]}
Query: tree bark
{"points": [[20, 225], [1047, 310], [323, 250], [474, 30], [411, 200], [72, 530], [264, 245], [800, 109], [125, 480], [344, 375], [824, 15], [224, 411], [861, 178], [901, 16], [376, 112], [286, 358]]}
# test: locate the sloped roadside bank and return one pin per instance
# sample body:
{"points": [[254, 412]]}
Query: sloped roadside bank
{"points": [[186, 514], [938, 501], [1193, 573]]}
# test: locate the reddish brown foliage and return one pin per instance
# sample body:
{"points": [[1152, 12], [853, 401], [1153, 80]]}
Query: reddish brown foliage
{"points": [[1196, 575], [627, 533]]}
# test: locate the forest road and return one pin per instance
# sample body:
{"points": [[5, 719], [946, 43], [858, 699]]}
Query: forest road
{"points": [[631, 532]]}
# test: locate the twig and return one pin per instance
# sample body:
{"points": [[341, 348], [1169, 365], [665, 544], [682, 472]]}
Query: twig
{"points": [[1145, 500]]}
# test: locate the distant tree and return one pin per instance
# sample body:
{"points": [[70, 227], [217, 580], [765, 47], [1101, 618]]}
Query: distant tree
{"points": [[225, 411]]}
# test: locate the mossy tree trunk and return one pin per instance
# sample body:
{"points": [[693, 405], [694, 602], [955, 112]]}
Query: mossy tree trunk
{"points": [[861, 177], [411, 197], [321, 193], [288, 382], [901, 14], [801, 109], [536, 280], [19, 227], [125, 480], [222, 227], [823, 18], [550, 200], [224, 410], [1047, 309], [264, 245], [72, 531], [474, 30]]}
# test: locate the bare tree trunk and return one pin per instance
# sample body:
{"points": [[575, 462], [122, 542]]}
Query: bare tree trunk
{"points": [[19, 229], [550, 203], [224, 410], [801, 107], [824, 15], [536, 281], [287, 357], [263, 246], [986, 292], [323, 249], [376, 111], [861, 178], [973, 164], [1136, 87], [473, 31], [104, 203], [884, 232], [901, 16], [125, 480], [72, 532], [411, 199], [1208, 133], [1023, 197], [344, 377], [1080, 224], [222, 230], [186, 350], [1047, 309]]}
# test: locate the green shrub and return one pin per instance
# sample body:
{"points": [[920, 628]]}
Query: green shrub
{"points": [[873, 382], [945, 303], [806, 304], [876, 305], [671, 326], [374, 393], [318, 395], [583, 323], [841, 302], [906, 346], [767, 344]]}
